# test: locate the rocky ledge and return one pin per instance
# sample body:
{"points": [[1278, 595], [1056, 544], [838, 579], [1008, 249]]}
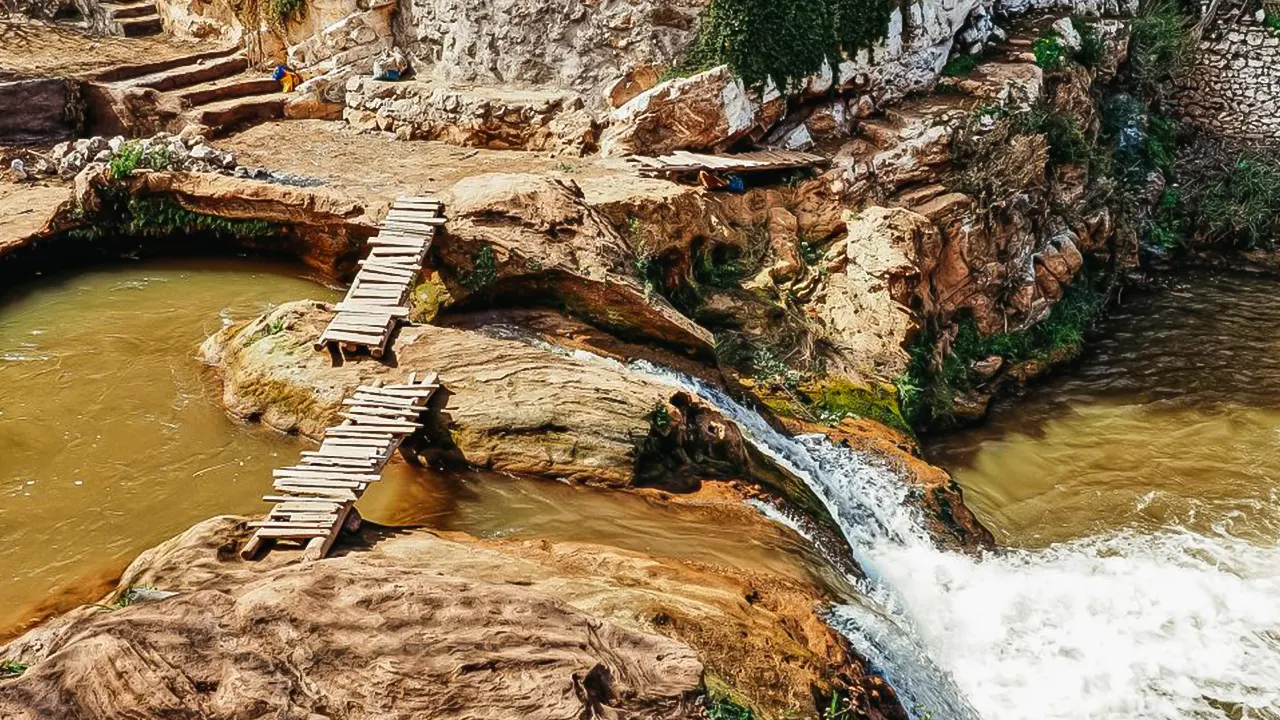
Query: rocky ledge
{"points": [[418, 624]]}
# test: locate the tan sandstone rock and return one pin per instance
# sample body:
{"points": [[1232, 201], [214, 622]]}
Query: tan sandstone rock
{"points": [[536, 239]]}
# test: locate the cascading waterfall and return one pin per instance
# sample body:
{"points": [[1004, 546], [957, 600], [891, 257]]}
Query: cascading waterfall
{"points": [[1174, 626]]}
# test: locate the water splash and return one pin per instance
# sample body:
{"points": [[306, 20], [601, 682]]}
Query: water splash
{"points": [[1173, 626]]}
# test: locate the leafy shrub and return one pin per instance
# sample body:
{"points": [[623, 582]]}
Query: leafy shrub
{"points": [[1049, 51], [287, 10], [1160, 43], [785, 40], [1272, 22], [127, 159], [484, 270], [1165, 228], [960, 66]]}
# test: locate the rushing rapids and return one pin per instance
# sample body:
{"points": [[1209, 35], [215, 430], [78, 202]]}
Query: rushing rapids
{"points": [[1164, 625]]}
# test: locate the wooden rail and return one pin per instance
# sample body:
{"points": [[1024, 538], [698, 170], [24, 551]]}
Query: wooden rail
{"points": [[376, 301], [315, 498]]}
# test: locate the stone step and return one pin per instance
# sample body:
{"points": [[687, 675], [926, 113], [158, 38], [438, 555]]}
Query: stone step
{"points": [[226, 115], [189, 75], [226, 89], [139, 26], [121, 11], [130, 72]]}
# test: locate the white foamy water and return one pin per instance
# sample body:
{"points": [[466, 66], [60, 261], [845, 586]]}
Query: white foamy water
{"points": [[1173, 626]]}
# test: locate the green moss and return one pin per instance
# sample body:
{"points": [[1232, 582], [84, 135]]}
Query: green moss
{"points": [[835, 400], [785, 40], [428, 299], [723, 703]]}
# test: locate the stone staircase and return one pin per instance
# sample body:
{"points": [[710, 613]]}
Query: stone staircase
{"points": [[217, 90], [133, 18]]}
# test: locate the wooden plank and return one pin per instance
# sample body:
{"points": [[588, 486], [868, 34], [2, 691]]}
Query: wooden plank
{"points": [[343, 336], [373, 421], [284, 533], [343, 475], [369, 307], [407, 413], [341, 494], [358, 442], [381, 399], [406, 216]]}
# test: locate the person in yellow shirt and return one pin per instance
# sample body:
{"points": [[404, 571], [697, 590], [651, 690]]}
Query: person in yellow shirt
{"points": [[287, 78]]}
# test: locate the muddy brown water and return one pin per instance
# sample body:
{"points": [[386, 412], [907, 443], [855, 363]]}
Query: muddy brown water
{"points": [[1172, 419], [112, 439]]}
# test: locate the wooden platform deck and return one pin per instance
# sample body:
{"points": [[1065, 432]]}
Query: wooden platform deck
{"points": [[378, 297], [688, 162], [315, 498]]}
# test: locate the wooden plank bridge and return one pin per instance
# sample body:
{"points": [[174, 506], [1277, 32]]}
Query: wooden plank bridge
{"points": [[376, 301], [315, 499]]}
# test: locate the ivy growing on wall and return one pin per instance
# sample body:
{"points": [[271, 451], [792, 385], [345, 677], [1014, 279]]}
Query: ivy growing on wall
{"points": [[786, 40]]}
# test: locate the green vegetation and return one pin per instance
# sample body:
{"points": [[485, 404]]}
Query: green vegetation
{"points": [[723, 704], [1272, 23], [12, 669], [960, 66], [761, 363], [785, 40], [1235, 200], [833, 401], [1050, 55], [1160, 44], [484, 270], [1091, 46], [287, 10], [125, 215], [930, 387], [132, 156], [660, 417]]}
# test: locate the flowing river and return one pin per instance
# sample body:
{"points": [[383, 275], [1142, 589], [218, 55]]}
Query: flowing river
{"points": [[1136, 495], [1137, 498]]}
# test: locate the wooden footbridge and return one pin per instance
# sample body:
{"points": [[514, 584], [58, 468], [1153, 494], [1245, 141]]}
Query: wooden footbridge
{"points": [[315, 499], [375, 303]]}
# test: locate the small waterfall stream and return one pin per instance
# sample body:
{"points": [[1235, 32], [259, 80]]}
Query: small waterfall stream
{"points": [[1168, 626]]}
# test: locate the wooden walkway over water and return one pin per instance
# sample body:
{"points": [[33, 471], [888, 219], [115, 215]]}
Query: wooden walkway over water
{"points": [[315, 499], [377, 300]]}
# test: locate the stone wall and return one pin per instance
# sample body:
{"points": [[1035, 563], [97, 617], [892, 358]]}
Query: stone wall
{"points": [[544, 44], [499, 119], [1233, 88]]}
